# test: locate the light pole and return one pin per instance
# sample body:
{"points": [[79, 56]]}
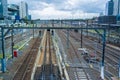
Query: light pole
{"points": [[33, 31], [67, 38], [103, 54], [81, 36], [119, 70], [12, 43], [3, 51]]}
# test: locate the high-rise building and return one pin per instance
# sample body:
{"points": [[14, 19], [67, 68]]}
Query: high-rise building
{"points": [[13, 11], [23, 10], [116, 7], [109, 7], [3, 8]]}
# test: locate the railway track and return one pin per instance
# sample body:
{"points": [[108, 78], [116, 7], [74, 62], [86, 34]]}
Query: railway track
{"points": [[47, 65], [112, 52], [17, 38], [48, 70], [76, 72], [25, 70], [112, 56]]}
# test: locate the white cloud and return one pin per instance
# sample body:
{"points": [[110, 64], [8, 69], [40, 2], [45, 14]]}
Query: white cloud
{"points": [[44, 9], [14, 1], [52, 13], [49, 13]]}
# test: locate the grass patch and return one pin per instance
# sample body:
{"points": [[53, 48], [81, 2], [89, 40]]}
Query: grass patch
{"points": [[19, 46], [93, 31], [101, 31], [1, 55], [6, 55], [16, 46]]}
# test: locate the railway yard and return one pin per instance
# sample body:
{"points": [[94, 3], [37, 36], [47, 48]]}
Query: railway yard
{"points": [[54, 54]]}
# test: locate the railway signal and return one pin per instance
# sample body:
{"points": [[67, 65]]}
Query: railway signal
{"points": [[15, 53]]}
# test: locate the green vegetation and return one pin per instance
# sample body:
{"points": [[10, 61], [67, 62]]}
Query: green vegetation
{"points": [[18, 46], [93, 31], [7, 55], [101, 31], [1, 55]]}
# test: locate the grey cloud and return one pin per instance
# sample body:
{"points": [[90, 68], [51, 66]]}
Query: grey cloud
{"points": [[92, 7], [36, 5], [86, 6]]}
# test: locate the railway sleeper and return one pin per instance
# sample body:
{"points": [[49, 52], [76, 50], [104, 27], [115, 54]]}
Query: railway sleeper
{"points": [[45, 73]]}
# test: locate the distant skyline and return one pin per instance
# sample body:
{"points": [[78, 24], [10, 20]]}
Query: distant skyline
{"points": [[60, 9]]}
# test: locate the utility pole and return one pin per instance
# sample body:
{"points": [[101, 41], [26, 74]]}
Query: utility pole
{"points": [[87, 28], [33, 32], [60, 23], [12, 43], [119, 70], [119, 57], [3, 51], [103, 54], [81, 38], [67, 38]]}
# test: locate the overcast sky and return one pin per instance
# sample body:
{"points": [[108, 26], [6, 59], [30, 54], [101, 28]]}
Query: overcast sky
{"points": [[60, 9]]}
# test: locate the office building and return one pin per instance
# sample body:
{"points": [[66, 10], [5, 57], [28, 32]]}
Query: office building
{"points": [[109, 8], [107, 19], [13, 11], [3, 9], [116, 7], [23, 10]]}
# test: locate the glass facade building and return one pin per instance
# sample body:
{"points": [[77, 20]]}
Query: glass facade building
{"points": [[13, 10], [110, 7], [23, 10], [3, 8], [116, 7]]}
